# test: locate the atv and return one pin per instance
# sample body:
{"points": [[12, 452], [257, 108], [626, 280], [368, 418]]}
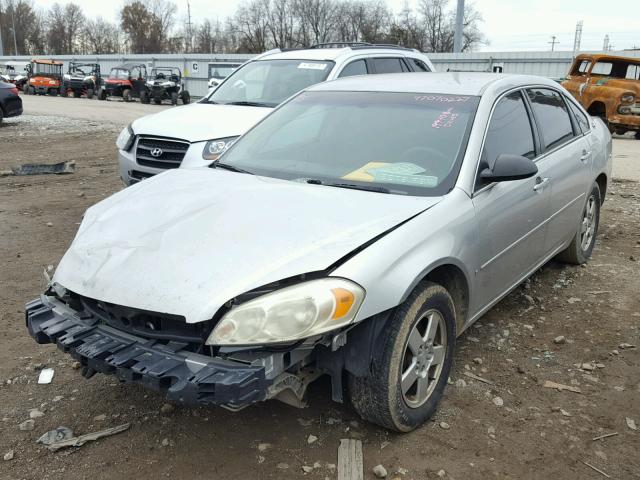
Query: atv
{"points": [[81, 79], [127, 81], [14, 72], [43, 77], [166, 83]]}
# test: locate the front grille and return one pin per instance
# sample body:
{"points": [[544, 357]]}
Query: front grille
{"points": [[172, 152], [161, 327]]}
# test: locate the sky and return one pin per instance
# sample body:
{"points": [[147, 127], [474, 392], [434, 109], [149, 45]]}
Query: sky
{"points": [[510, 25]]}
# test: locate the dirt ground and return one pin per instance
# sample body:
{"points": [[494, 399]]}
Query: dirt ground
{"points": [[513, 428]]}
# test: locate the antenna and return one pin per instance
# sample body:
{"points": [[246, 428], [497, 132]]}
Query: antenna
{"points": [[553, 42], [577, 38]]}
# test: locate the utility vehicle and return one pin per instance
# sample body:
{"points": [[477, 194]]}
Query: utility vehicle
{"points": [[43, 77], [127, 81], [82, 79], [166, 83]]}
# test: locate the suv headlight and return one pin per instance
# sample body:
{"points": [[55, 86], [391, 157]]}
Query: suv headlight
{"points": [[214, 148], [290, 314], [628, 98], [125, 139]]}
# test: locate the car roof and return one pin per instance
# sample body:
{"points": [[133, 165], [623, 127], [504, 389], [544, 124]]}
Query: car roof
{"points": [[454, 83], [331, 54], [601, 56]]}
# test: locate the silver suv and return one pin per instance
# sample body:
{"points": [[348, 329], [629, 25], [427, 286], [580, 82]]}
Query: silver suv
{"points": [[197, 134]]}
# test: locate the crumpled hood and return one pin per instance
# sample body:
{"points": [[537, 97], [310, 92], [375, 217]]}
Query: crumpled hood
{"points": [[188, 240], [200, 121]]}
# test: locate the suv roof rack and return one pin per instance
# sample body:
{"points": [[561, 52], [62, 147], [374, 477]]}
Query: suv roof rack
{"points": [[358, 45]]}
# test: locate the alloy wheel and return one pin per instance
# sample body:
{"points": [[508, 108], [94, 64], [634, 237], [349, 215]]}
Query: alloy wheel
{"points": [[423, 358], [588, 225]]}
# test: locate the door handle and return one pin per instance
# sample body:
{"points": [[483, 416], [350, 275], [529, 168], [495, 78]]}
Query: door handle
{"points": [[540, 183], [586, 155]]}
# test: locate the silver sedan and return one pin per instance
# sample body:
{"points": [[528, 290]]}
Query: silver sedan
{"points": [[356, 232]]}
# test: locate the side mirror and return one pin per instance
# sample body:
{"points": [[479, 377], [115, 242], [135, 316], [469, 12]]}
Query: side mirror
{"points": [[509, 167]]}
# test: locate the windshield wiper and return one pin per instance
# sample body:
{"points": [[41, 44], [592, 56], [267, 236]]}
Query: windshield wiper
{"points": [[249, 104], [231, 168], [353, 186]]}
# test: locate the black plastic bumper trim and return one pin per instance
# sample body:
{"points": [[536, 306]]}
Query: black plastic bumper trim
{"points": [[164, 367]]}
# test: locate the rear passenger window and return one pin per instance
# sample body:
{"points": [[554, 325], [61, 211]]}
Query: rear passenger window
{"points": [[552, 116], [581, 118], [389, 65], [509, 131], [358, 67], [419, 65]]}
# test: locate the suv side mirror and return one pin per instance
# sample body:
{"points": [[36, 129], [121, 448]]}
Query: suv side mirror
{"points": [[509, 167]]}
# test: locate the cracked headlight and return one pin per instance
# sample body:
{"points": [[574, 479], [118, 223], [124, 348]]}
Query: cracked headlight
{"points": [[290, 314], [125, 139], [214, 148]]}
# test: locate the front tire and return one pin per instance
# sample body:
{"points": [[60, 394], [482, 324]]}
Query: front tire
{"points": [[581, 246], [186, 98], [410, 369], [126, 95]]}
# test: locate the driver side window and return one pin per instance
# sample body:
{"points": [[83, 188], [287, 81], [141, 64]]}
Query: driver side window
{"points": [[509, 131]]}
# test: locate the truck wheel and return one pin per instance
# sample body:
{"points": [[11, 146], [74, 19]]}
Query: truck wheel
{"points": [[174, 98], [89, 93], [410, 369], [581, 247], [186, 98], [126, 95]]}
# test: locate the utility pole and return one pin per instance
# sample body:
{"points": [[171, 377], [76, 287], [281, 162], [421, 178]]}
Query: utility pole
{"points": [[577, 38], [553, 42], [1, 49], [13, 27], [605, 45], [190, 32], [457, 34]]}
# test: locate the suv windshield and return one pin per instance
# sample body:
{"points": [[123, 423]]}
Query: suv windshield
{"points": [[268, 83], [119, 74], [403, 143]]}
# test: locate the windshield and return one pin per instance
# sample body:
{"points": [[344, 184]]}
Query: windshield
{"points": [[119, 74], [269, 82], [403, 143]]}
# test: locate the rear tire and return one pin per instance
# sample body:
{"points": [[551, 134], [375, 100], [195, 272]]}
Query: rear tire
{"points": [[126, 95], [53, 92], [174, 98], [90, 93], [1, 115], [157, 100], [31, 91], [581, 246], [186, 98], [409, 371], [103, 95], [25, 89], [144, 97]]}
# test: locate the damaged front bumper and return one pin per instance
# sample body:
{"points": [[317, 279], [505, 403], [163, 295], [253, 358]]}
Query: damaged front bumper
{"points": [[184, 376]]}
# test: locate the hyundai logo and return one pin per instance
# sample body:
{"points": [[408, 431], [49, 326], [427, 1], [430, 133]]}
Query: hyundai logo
{"points": [[156, 152]]}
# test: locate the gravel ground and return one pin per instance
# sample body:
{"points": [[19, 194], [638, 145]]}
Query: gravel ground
{"points": [[514, 428]]}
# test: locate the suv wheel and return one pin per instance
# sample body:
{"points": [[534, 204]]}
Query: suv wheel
{"points": [[581, 247], [410, 369]]}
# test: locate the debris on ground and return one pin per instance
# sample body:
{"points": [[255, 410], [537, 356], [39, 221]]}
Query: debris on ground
{"points": [[560, 340], [477, 377], [311, 439], [560, 387], [44, 168], [89, 437], [167, 408], [56, 435], [625, 346], [631, 423], [46, 375], [8, 456], [379, 471], [596, 469], [350, 464], [445, 426], [27, 425], [606, 435], [498, 401]]}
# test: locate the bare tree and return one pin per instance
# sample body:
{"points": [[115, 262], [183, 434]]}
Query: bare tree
{"points": [[101, 37], [251, 21], [148, 27]]}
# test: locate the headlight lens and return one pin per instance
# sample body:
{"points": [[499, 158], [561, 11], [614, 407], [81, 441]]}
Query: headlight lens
{"points": [[214, 148], [627, 98], [290, 314], [125, 139]]}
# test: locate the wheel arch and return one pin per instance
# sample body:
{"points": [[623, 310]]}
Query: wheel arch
{"points": [[598, 108], [602, 184]]}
